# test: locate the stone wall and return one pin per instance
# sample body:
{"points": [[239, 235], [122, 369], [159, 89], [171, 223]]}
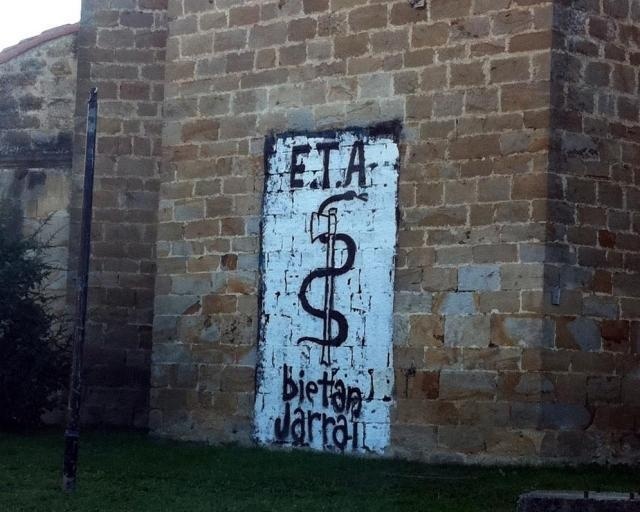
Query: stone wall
{"points": [[120, 51], [483, 369], [516, 310], [593, 250], [37, 92]]}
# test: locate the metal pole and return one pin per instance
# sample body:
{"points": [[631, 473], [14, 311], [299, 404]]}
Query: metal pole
{"points": [[72, 433]]}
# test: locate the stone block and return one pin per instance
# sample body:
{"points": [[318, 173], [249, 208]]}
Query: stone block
{"points": [[462, 438], [237, 378], [525, 415], [467, 331], [267, 35], [523, 331], [581, 333], [526, 386], [507, 442], [408, 357], [375, 86], [467, 385], [479, 277], [425, 412], [456, 303], [408, 280], [631, 391], [491, 358], [443, 278], [413, 441], [410, 302], [421, 385], [495, 252], [420, 257], [564, 416], [442, 216], [176, 304], [603, 389], [233, 39], [425, 330], [200, 130], [219, 303], [194, 284], [499, 302], [484, 414], [630, 308], [539, 301], [171, 353], [626, 285], [189, 210], [214, 105], [596, 363], [439, 358], [615, 335], [604, 307], [400, 329], [467, 74]]}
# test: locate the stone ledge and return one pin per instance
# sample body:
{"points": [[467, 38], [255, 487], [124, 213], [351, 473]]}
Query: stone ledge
{"points": [[571, 501]]}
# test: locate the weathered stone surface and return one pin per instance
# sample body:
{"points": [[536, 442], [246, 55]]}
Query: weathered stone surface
{"points": [[461, 439], [37, 91], [564, 416], [524, 332], [518, 276], [517, 206], [602, 307], [479, 278], [582, 333], [425, 330], [467, 331], [456, 385], [121, 50], [516, 254], [405, 436], [457, 303]]}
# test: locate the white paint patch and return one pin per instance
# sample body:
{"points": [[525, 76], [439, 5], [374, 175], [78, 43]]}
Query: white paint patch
{"points": [[325, 374]]}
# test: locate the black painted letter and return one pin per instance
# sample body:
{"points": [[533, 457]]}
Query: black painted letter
{"points": [[326, 147], [356, 151], [298, 168], [289, 388]]}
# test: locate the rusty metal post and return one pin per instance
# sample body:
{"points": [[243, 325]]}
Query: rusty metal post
{"points": [[72, 433]]}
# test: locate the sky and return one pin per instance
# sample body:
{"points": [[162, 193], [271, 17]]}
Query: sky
{"points": [[26, 18]]}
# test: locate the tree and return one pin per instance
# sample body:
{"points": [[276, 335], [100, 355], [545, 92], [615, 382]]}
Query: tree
{"points": [[33, 343]]}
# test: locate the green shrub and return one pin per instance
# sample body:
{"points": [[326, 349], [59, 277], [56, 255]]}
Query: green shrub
{"points": [[33, 345]]}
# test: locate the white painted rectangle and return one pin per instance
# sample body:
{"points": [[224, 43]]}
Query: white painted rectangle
{"points": [[325, 371]]}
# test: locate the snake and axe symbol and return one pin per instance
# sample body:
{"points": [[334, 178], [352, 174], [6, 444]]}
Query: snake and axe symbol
{"points": [[325, 220]]}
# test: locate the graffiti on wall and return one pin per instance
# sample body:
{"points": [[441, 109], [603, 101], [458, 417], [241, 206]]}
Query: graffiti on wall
{"points": [[325, 371]]}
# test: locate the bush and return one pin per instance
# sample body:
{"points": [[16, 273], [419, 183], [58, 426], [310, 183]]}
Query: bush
{"points": [[33, 345]]}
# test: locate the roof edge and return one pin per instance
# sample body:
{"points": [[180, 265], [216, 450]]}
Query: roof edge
{"points": [[28, 44]]}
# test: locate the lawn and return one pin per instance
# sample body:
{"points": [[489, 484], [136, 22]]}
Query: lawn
{"points": [[131, 472]]}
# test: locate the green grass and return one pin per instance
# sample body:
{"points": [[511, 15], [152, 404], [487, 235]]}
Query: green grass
{"points": [[131, 472]]}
